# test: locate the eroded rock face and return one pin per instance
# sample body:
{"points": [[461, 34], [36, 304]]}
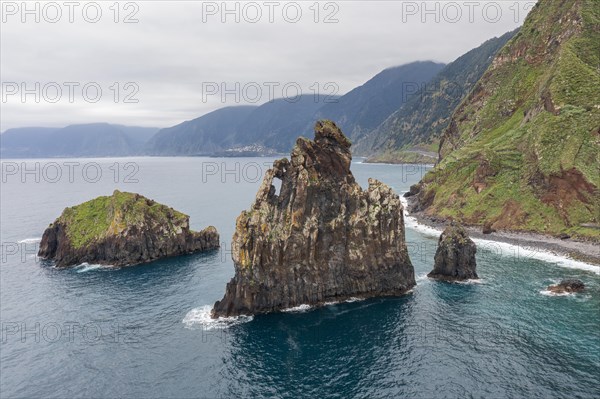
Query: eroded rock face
{"points": [[121, 230], [455, 256], [321, 239], [567, 286]]}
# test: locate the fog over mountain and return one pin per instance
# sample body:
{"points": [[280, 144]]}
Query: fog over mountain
{"points": [[276, 124], [170, 53]]}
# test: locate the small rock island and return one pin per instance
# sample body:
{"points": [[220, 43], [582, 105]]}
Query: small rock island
{"points": [[567, 286], [123, 229], [321, 238], [455, 255]]}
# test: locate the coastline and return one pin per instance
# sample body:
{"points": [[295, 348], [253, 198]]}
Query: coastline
{"points": [[539, 245]]}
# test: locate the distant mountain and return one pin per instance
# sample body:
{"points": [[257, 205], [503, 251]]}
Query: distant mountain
{"points": [[521, 151], [272, 126], [24, 142], [421, 120], [205, 135], [366, 107], [87, 140], [276, 125]]}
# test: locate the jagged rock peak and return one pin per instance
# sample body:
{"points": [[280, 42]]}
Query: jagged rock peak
{"points": [[321, 238]]}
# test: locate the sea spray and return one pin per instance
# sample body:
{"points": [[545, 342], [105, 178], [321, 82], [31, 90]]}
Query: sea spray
{"points": [[504, 249]]}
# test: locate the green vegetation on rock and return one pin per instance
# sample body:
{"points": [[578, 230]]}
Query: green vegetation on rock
{"points": [[521, 151], [123, 229], [108, 215]]}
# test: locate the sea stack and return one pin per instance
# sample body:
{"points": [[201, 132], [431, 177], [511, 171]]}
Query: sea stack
{"points": [[121, 230], [455, 255], [322, 238]]}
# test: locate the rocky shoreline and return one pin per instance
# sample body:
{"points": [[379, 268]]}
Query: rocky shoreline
{"points": [[583, 251]]}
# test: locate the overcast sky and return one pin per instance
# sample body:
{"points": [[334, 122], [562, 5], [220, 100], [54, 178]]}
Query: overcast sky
{"points": [[179, 54]]}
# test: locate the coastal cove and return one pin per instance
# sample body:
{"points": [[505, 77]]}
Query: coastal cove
{"points": [[146, 332]]}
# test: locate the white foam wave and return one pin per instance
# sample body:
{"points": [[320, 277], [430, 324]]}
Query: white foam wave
{"points": [[86, 267], [524, 252], [550, 293], [200, 318], [298, 309], [421, 277], [505, 249], [353, 299], [30, 240], [470, 281]]}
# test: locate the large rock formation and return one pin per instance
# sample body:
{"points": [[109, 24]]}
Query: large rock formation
{"points": [[455, 256], [121, 230], [322, 238]]}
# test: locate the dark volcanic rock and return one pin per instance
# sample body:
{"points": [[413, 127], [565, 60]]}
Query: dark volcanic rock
{"points": [[455, 256], [487, 228], [414, 190], [121, 230], [322, 238], [568, 285]]}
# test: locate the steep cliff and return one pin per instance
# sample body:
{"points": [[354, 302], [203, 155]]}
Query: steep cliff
{"points": [[414, 130], [521, 151], [121, 230], [321, 238]]}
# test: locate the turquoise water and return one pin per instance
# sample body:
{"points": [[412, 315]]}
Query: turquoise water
{"points": [[142, 332]]}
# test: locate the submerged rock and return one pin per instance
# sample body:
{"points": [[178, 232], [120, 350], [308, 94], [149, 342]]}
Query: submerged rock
{"points": [[566, 286], [322, 238], [455, 256], [121, 230]]}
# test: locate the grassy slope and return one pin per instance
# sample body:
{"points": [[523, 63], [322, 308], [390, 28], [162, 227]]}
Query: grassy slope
{"points": [[109, 215], [537, 160]]}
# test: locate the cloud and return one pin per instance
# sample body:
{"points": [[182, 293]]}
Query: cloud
{"points": [[176, 47]]}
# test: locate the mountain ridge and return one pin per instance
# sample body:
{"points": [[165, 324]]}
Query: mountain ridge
{"points": [[521, 151], [418, 124]]}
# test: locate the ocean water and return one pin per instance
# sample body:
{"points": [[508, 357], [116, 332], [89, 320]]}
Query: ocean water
{"points": [[144, 332]]}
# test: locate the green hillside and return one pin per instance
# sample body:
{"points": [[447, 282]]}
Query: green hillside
{"points": [[522, 150]]}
